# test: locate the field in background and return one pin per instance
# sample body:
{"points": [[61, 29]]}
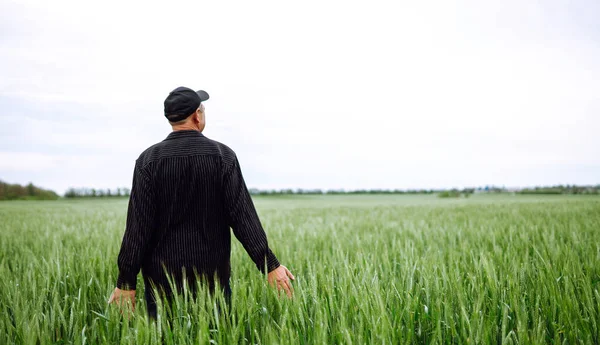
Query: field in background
{"points": [[370, 270]]}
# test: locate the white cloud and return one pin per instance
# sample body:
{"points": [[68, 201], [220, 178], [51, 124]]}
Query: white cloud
{"points": [[307, 92], [27, 161]]}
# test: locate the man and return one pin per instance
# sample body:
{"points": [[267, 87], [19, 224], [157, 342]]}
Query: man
{"points": [[187, 192]]}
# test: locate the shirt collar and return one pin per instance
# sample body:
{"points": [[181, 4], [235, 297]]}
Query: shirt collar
{"points": [[184, 134]]}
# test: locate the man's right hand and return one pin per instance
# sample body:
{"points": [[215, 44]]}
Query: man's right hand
{"points": [[280, 277], [123, 298]]}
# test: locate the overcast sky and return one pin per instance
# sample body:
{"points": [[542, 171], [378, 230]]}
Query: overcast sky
{"points": [[323, 94]]}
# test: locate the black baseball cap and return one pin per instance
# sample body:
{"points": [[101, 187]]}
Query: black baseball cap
{"points": [[182, 102]]}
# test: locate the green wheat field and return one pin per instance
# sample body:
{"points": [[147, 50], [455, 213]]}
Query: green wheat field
{"points": [[369, 269]]}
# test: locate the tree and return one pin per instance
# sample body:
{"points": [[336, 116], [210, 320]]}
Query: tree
{"points": [[30, 189]]}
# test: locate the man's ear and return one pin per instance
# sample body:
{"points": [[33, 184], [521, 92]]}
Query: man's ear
{"points": [[197, 116]]}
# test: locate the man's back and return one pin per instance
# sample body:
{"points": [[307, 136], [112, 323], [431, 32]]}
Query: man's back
{"points": [[188, 190]]}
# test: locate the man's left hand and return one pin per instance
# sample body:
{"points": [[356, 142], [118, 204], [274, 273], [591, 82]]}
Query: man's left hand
{"points": [[280, 277]]}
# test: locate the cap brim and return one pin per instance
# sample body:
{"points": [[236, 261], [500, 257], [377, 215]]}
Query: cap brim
{"points": [[203, 95]]}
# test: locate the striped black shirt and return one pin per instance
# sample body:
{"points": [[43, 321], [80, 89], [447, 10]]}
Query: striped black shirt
{"points": [[188, 191]]}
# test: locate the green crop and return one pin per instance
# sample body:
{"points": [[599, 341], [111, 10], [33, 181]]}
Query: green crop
{"points": [[370, 270]]}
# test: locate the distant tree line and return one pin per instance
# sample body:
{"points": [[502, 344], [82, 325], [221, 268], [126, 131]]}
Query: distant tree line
{"points": [[455, 193], [96, 193], [28, 192], [32, 192], [255, 191], [562, 189], [444, 193]]}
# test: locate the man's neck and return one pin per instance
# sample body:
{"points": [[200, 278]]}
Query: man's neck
{"points": [[185, 128]]}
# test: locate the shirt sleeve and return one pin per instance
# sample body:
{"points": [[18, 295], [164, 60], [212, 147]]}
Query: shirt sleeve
{"points": [[244, 221], [138, 230]]}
